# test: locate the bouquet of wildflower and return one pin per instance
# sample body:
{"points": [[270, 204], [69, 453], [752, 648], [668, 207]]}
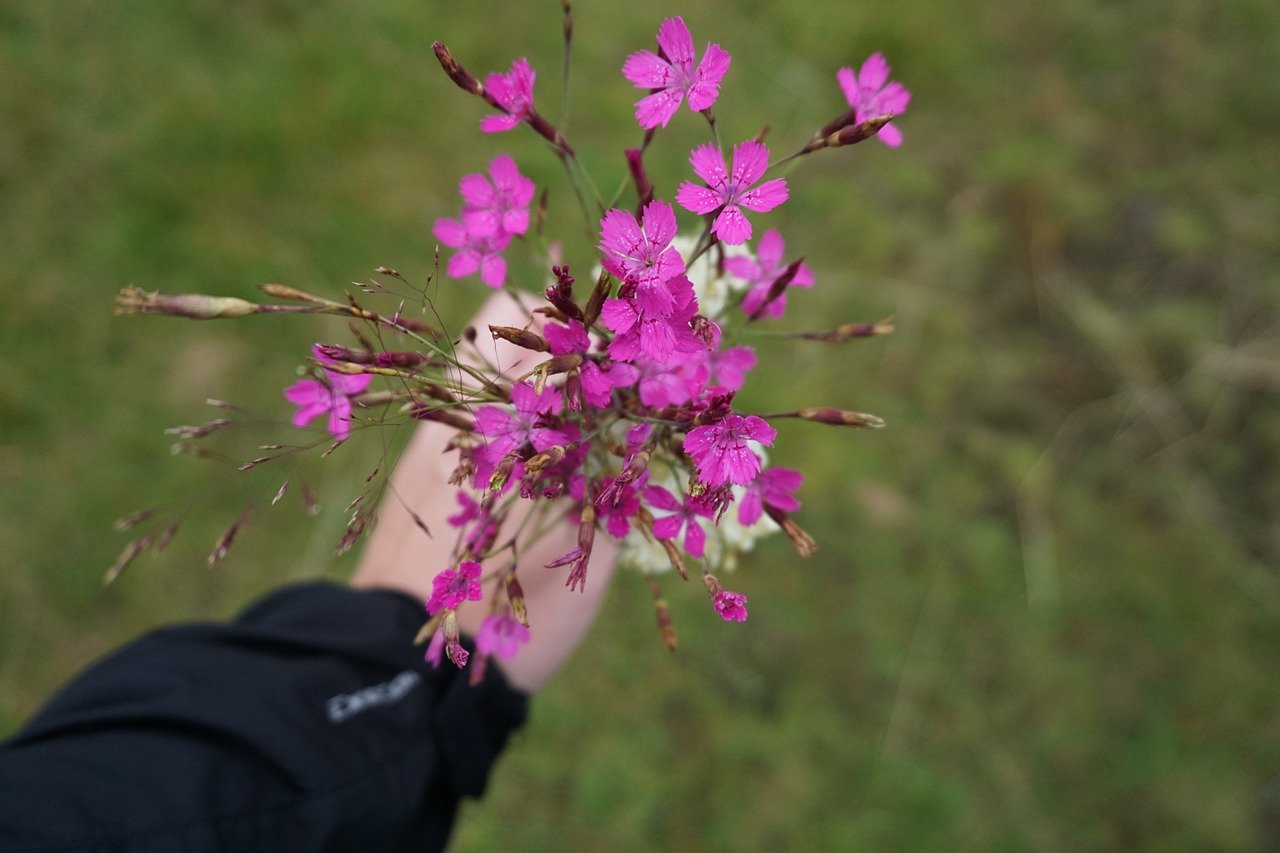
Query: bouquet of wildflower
{"points": [[626, 420]]}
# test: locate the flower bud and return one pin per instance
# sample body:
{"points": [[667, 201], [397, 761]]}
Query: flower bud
{"points": [[501, 473], [839, 417], [515, 595], [194, 306], [464, 78], [545, 459], [520, 337], [847, 331]]}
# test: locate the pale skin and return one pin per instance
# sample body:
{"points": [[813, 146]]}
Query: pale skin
{"points": [[400, 556]]}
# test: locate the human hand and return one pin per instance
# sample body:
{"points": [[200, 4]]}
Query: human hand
{"points": [[400, 556]]}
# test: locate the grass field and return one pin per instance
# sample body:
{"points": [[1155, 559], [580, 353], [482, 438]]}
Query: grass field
{"points": [[1046, 612]]}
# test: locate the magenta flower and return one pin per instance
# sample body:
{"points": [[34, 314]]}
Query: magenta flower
{"points": [[674, 75], [514, 93], [730, 367], [731, 191], [774, 487], [476, 252], [671, 384], [760, 274], [450, 588], [314, 397], [684, 515], [663, 338], [641, 252], [501, 635], [507, 430], [732, 606], [621, 505], [868, 96], [721, 451], [597, 380], [498, 204]]}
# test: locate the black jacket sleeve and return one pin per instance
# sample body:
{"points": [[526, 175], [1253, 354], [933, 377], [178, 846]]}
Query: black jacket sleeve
{"points": [[310, 723]]}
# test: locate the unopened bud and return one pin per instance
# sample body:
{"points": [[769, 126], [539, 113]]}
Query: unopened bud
{"points": [[520, 337], [848, 331], [778, 287], [284, 291], [805, 544], [515, 595], [644, 189], [560, 294], [337, 352], [662, 610], [858, 132], [464, 78], [839, 417], [595, 303], [501, 473], [194, 306], [545, 459]]}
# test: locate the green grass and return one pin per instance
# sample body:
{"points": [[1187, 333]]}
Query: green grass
{"points": [[1046, 613]]}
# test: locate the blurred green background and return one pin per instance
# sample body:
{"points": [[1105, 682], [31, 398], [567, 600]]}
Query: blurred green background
{"points": [[1046, 612]]}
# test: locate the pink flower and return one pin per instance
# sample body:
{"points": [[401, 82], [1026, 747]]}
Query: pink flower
{"points": [[683, 515], [732, 606], [450, 588], [514, 93], [721, 450], [774, 487], [598, 381], [508, 430], [498, 204], [674, 76], [869, 97], [619, 505], [501, 635], [435, 649], [333, 395], [731, 191], [761, 273], [672, 384], [731, 366], [661, 337], [477, 252], [641, 254]]}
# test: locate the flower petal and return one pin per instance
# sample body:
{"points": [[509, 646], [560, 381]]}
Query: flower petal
{"points": [[677, 44], [493, 270], [731, 226], [498, 123], [750, 159], [890, 135], [451, 232], [463, 264], [849, 85], [659, 220], [706, 80], [765, 197], [658, 108], [873, 74], [708, 164], [698, 199], [477, 191], [646, 70]]}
